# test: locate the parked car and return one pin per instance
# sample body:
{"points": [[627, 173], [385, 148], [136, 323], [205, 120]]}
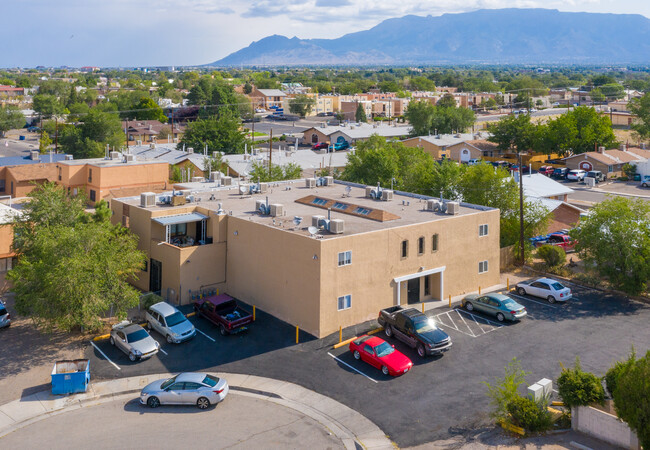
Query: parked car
{"points": [[515, 168], [596, 174], [546, 170], [223, 311], [560, 172], [260, 110], [546, 288], [33, 129], [380, 354], [170, 322], [560, 240], [415, 329], [319, 145], [576, 175], [187, 388], [498, 305], [473, 162], [341, 145], [133, 340], [645, 181], [505, 164], [5, 317]]}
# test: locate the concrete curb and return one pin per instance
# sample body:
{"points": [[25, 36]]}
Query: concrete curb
{"points": [[352, 428]]}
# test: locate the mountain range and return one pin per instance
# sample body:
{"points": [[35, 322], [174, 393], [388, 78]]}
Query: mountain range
{"points": [[494, 36]]}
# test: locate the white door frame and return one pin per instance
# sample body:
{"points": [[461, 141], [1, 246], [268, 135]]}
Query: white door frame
{"points": [[398, 280]]}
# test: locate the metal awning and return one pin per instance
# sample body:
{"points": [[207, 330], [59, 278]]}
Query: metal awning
{"points": [[179, 218]]}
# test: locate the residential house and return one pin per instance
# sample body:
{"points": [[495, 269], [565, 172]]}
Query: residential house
{"points": [[352, 132], [19, 175], [149, 130], [609, 162], [366, 255], [440, 146]]}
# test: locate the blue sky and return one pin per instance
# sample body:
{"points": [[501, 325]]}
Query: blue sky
{"points": [[191, 32]]}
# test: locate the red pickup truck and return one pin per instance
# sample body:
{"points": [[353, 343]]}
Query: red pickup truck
{"points": [[223, 311], [561, 240]]}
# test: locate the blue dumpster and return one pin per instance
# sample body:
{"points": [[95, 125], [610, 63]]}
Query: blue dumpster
{"points": [[69, 377], [21, 138]]}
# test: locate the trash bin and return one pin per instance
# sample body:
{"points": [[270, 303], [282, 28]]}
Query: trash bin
{"points": [[637, 177], [21, 138], [69, 377]]}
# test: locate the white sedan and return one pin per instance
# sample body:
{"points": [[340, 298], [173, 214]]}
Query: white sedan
{"points": [[576, 175], [546, 288]]}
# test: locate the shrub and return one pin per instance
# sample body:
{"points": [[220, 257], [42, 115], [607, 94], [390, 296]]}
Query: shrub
{"points": [[588, 279], [612, 375], [629, 170], [504, 390], [149, 299], [530, 415], [552, 255], [579, 388], [632, 394]]}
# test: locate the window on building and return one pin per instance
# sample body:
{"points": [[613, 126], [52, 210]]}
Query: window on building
{"points": [[483, 230], [405, 249], [421, 245], [93, 195], [610, 169], [90, 175], [482, 267], [344, 302], [434, 243], [179, 229], [2, 185], [345, 258]]}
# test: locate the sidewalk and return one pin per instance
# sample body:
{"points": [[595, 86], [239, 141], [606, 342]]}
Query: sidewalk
{"points": [[352, 428]]}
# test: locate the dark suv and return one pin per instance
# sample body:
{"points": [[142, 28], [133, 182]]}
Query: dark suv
{"points": [[560, 172]]}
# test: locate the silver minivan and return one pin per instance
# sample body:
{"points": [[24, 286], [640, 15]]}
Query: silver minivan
{"points": [[169, 322]]}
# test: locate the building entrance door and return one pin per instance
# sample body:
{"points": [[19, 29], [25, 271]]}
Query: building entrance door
{"points": [[155, 276], [413, 288]]}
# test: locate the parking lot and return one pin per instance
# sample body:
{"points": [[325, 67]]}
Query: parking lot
{"points": [[441, 396]]}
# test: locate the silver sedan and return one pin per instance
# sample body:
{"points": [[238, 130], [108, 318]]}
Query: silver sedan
{"points": [[187, 388]]}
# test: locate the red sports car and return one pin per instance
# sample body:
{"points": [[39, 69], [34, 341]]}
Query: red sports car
{"points": [[319, 145], [379, 353]]}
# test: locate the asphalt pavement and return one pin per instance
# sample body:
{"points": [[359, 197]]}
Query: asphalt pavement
{"points": [[442, 396]]}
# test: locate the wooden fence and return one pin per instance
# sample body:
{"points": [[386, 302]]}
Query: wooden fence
{"points": [[507, 257]]}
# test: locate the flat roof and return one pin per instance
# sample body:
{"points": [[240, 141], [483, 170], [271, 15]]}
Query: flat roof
{"points": [[101, 162], [408, 209]]}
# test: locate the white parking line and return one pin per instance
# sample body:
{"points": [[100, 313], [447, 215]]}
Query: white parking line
{"points": [[463, 319], [534, 301], [487, 321], [356, 370], [163, 351], [205, 335], [104, 355]]}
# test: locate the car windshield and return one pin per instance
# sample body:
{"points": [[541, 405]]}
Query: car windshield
{"points": [[137, 336], [557, 286], [384, 349], [210, 380], [510, 304], [175, 319], [168, 383], [3, 311], [425, 325]]}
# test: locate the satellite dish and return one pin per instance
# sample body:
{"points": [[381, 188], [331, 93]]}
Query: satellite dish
{"points": [[312, 230], [297, 220], [243, 189]]}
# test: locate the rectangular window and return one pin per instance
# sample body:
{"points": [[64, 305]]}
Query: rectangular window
{"points": [[179, 229], [93, 195], [345, 258], [344, 302], [319, 201], [427, 285], [90, 175], [610, 169], [482, 267], [405, 249], [2, 185], [434, 243], [362, 211], [420, 245], [341, 206], [483, 230]]}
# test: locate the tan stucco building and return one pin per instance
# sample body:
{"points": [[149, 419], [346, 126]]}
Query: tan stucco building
{"points": [[377, 254]]}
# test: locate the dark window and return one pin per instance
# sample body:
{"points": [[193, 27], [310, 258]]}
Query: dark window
{"points": [[90, 175], [420, 245], [427, 285], [405, 249], [434, 243], [93, 195], [2, 185], [12, 188]]}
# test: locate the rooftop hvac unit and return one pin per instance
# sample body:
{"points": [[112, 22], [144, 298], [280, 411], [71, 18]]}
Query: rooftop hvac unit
{"points": [[316, 221], [386, 195], [152, 145], [147, 199], [190, 149], [129, 158], [263, 206], [244, 189], [329, 181], [185, 192], [175, 140], [216, 155], [453, 208], [69, 157], [277, 210], [433, 205], [337, 226], [263, 187], [226, 181], [215, 176], [310, 183], [34, 155], [198, 179], [369, 191], [138, 142], [178, 200], [114, 155]]}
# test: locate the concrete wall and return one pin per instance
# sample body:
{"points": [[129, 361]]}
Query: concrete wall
{"points": [[603, 426]]}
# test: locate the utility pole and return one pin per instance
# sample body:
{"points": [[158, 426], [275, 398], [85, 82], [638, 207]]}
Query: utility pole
{"points": [[172, 125], [270, 151], [521, 211], [56, 134]]}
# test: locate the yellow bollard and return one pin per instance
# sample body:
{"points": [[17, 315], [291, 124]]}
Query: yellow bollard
{"points": [[340, 334], [479, 290], [508, 284], [253, 313], [450, 300], [297, 331], [422, 307]]}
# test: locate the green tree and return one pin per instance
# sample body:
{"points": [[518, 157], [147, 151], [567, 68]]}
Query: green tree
{"points": [[72, 267], [90, 138], [44, 143], [10, 118], [447, 101], [579, 388], [552, 255], [640, 107], [578, 131], [301, 104], [442, 118], [360, 115], [148, 109], [212, 164], [615, 240], [513, 133], [47, 105], [221, 134], [260, 172], [505, 390], [247, 89], [632, 396]]}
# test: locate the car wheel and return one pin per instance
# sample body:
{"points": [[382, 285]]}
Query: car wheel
{"points": [[149, 327], [388, 330], [357, 355], [521, 291], [550, 299], [153, 402], [384, 370], [469, 306], [169, 339], [203, 403], [500, 317], [421, 351], [223, 330], [112, 341], [132, 356]]}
